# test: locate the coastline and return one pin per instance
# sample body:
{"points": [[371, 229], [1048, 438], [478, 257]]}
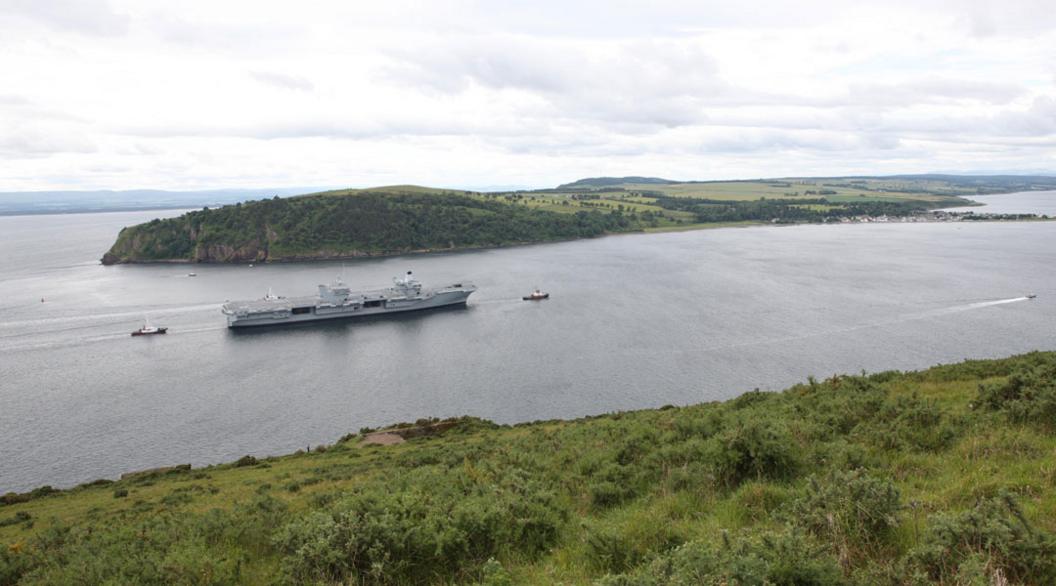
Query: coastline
{"points": [[657, 230]]}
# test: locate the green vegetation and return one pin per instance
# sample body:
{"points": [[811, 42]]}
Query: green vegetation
{"points": [[345, 225], [946, 475], [406, 218]]}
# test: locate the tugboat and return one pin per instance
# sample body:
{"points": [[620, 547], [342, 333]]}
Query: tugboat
{"points": [[149, 330], [536, 295]]}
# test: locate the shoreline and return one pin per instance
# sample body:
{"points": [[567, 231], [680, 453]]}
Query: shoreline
{"points": [[657, 230]]}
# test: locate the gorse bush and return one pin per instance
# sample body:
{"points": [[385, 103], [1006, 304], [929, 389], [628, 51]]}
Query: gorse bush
{"points": [[783, 558], [995, 530], [163, 548], [1027, 396], [383, 537], [620, 546], [753, 449], [855, 511], [910, 423]]}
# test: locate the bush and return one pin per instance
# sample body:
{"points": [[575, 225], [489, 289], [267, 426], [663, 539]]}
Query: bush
{"points": [[19, 517], [912, 423], [1027, 396], [757, 501], [620, 548], [380, 535], [161, 549], [610, 486], [995, 530], [758, 448], [851, 510], [245, 461], [770, 558]]}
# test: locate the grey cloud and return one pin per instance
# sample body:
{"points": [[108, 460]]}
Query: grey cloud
{"points": [[663, 83], [1037, 120], [284, 81], [309, 127], [27, 143], [13, 100], [824, 141], [90, 17], [931, 90], [237, 38]]}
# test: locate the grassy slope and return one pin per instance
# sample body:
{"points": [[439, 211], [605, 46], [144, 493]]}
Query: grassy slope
{"points": [[609, 494]]}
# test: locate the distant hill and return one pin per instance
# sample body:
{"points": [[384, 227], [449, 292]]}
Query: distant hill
{"points": [[352, 223], [399, 219], [613, 181]]}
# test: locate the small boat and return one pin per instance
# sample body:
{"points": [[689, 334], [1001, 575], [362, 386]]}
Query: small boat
{"points": [[536, 295], [1031, 296], [149, 330], [192, 274]]}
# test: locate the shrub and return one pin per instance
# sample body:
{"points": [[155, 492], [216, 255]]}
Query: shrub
{"points": [[411, 535], [163, 549], [758, 448], [994, 529], [610, 486], [757, 501], [1027, 396], [770, 558], [493, 574], [245, 461], [19, 517], [912, 423], [620, 548], [850, 510]]}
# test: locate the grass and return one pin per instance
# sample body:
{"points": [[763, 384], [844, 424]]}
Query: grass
{"points": [[623, 494]]}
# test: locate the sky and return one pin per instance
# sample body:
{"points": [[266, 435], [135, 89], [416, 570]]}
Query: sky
{"points": [[123, 94]]}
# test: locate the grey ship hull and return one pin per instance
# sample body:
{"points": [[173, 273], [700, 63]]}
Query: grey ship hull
{"points": [[273, 311]]}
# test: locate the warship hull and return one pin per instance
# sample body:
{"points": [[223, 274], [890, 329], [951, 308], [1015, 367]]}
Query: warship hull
{"points": [[337, 302]]}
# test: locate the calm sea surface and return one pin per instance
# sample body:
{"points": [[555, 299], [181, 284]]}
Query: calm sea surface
{"points": [[633, 321]]}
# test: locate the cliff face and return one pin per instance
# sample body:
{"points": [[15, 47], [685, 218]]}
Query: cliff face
{"points": [[183, 239]]}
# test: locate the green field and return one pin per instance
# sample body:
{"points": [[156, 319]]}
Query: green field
{"points": [[943, 476]]}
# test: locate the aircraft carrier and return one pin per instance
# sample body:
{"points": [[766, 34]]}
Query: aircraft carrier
{"points": [[337, 301]]}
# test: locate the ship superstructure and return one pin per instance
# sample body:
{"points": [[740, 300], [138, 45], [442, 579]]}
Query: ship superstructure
{"points": [[337, 300]]}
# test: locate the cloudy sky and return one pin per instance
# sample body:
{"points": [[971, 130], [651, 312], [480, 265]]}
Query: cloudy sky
{"points": [[117, 94]]}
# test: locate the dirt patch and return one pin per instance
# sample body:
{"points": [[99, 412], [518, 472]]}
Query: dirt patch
{"points": [[382, 438]]}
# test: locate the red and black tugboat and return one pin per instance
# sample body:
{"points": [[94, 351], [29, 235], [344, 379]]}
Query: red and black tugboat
{"points": [[536, 295], [149, 330]]}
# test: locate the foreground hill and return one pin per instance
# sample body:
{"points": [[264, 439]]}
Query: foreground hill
{"points": [[943, 476]]}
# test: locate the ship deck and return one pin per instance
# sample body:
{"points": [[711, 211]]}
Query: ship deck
{"points": [[280, 303]]}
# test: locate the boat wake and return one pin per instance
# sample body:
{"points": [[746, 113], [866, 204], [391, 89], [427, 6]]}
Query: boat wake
{"points": [[97, 317], [971, 306], [873, 324]]}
